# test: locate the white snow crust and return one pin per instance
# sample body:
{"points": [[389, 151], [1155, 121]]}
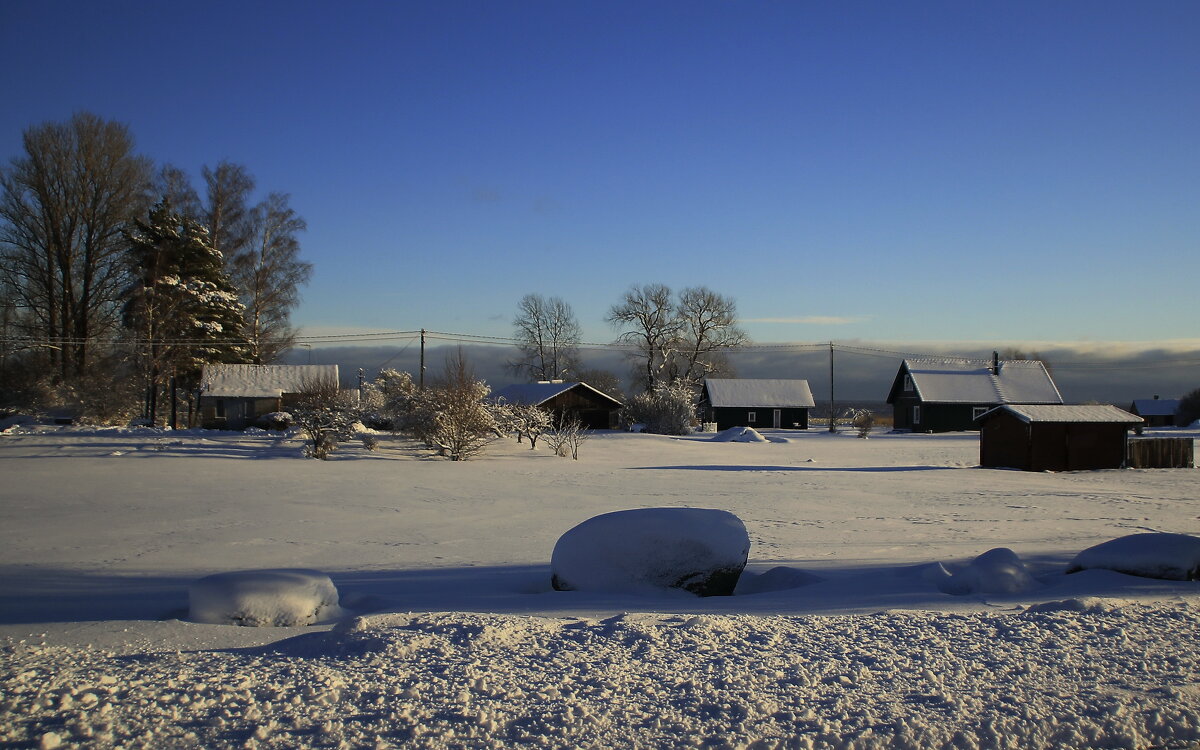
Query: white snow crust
{"points": [[1154, 555], [739, 435], [840, 634], [646, 549], [263, 598]]}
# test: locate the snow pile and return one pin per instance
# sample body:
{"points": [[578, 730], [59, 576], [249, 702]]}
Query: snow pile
{"points": [[264, 598], [997, 571], [779, 578], [1174, 557], [739, 435], [699, 550]]}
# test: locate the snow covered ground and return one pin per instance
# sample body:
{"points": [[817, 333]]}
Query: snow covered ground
{"points": [[454, 637]]}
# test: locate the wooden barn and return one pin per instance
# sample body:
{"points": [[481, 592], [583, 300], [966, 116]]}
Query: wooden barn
{"points": [[233, 397], [751, 402], [594, 410], [1158, 412], [947, 395], [1055, 437]]}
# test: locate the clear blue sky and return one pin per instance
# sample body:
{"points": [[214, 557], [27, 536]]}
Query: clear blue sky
{"points": [[891, 171]]}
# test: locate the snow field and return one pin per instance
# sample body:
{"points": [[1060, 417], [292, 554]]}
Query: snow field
{"points": [[1074, 675]]}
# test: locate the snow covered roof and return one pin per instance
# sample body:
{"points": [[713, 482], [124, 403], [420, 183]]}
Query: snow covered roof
{"points": [[536, 394], [1019, 381], [779, 393], [1068, 413], [261, 381], [1156, 407]]}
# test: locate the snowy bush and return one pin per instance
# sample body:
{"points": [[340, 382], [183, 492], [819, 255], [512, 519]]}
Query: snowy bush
{"points": [[863, 421], [695, 549], [325, 413], [1174, 557], [566, 438], [264, 598], [667, 409]]}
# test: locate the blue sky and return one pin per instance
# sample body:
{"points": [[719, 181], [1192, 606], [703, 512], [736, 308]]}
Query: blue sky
{"points": [[934, 171]]}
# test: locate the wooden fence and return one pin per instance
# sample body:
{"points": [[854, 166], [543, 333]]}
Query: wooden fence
{"points": [[1161, 453]]}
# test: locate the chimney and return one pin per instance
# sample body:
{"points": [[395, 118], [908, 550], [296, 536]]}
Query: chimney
{"points": [[995, 362]]}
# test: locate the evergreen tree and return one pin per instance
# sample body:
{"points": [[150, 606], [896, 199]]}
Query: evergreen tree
{"points": [[182, 309]]}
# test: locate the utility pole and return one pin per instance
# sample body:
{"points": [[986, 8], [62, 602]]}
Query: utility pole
{"points": [[832, 414], [421, 376]]}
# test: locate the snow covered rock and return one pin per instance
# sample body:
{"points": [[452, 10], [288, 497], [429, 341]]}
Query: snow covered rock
{"points": [[699, 550], [997, 571], [1173, 557], [739, 435], [264, 598], [779, 578]]}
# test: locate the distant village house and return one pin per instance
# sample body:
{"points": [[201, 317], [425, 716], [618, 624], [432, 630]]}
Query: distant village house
{"points": [[233, 397], [1158, 412], [947, 395], [756, 402], [594, 409]]}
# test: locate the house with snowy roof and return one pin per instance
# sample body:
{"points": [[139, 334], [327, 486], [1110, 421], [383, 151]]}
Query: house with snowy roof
{"points": [[594, 409], [931, 395], [1158, 412], [234, 397], [1055, 437], [756, 402]]}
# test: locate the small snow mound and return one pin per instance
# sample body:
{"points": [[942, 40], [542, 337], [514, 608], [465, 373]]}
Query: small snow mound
{"points": [[264, 598], [1091, 605], [739, 435], [779, 578], [1173, 557], [997, 571], [700, 550]]}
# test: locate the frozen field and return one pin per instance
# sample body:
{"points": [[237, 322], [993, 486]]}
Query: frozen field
{"points": [[454, 637]]}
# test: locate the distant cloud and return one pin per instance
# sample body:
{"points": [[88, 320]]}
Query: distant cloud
{"points": [[816, 320]]}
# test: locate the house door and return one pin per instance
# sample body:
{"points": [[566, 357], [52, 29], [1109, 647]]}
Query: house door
{"points": [[777, 418]]}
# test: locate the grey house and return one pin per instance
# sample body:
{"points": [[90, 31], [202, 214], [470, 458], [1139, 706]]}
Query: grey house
{"points": [[755, 402], [945, 395], [234, 397]]}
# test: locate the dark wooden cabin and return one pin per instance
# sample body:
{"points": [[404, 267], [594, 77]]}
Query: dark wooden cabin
{"points": [[949, 395], [758, 403], [1158, 412], [1055, 437], [594, 409]]}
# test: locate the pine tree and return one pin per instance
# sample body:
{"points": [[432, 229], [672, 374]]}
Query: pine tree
{"points": [[182, 309]]}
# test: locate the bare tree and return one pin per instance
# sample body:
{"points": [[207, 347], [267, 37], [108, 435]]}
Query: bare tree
{"points": [[677, 339], [62, 207], [268, 273], [567, 437], [709, 329], [227, 214], [650, 327], [173, 183], [548, 338]]}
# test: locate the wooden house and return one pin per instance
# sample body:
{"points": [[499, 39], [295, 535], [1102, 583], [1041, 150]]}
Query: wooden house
{"points": [[946, 395], [1055, 437], [234, 397], [754, 402], [1158, 412], [594, 409]]}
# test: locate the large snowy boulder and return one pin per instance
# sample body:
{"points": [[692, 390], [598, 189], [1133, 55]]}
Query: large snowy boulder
{"points": [[1174, 557], [997, 571], [739, 435], [264, 598], [699, 550]]}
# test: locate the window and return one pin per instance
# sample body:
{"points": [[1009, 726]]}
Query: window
{"points": [[751, 417], [908, 384], [979, 411], [916, 414]]}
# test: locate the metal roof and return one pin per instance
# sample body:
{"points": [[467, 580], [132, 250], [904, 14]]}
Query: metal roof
{"points": [[1019, 381], [261, 381], [1156, 407], [778, 393], [536, 394], [1067, 413]]}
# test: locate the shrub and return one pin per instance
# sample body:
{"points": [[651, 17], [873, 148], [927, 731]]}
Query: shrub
{"points": [[667, 409]]}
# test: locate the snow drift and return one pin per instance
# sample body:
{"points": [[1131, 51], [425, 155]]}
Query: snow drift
{"points": [[1173, 557]]}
